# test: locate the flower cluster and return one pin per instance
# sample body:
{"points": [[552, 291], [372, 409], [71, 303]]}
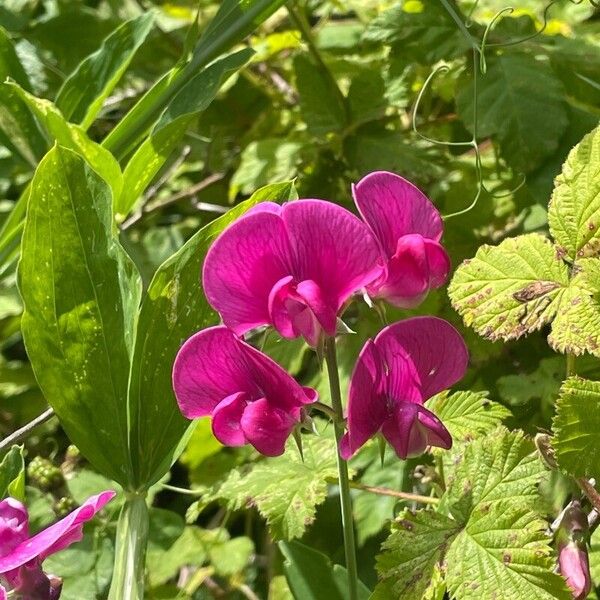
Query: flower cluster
{"points": [[295, 268], [21, 556]]}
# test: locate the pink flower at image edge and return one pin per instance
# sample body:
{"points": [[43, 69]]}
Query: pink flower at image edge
{"points": [[408, 229], [251, 399], [396, 373], [21, 556]]}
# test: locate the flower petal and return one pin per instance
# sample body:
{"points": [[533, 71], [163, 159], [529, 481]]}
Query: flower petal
{"points": [[366, 403], [14, 525], [267, 427], [209, 367], [439, 263], [226, 419], [332, 248], [54, 538], [436, 352], [242, 266], [412, 428], [394, 207]]}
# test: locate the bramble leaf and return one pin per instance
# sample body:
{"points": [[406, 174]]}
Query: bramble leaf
{"points": [[286, 490], [467, 414], [511, 289], [574, 210], [516, 99], [576, 428]]}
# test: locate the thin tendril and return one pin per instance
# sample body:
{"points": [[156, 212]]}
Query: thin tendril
{"points": [[482, 64]]}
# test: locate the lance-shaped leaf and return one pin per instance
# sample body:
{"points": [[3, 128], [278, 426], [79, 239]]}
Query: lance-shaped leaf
{"points": [[173, 309], [10, 65], [574, 211], [185, 107], [12, 474], [81, 293], [576, 428], [83, 92], [512, 289]]}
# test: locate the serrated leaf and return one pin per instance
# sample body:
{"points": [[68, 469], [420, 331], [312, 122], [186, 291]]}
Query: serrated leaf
{"points": [[427, 35], [576, 428], [492, 543], [574, 211], [491, 469], [576, 327], [81, 96], [516, 99], [511, 289], [466, 414], [503, 552], [81, 294], [412, 552], [286, 490]]}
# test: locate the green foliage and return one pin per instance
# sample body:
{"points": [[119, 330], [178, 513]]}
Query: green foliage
{"points": [[576, 428], [491, 527], [286, 490], [12, 474], [311, 575], [81, 292]]}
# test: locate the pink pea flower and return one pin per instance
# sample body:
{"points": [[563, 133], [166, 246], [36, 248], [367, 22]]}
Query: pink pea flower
{"points": [[407, 363], [250, 398], [573, 561], [291, 266], [21, 556], [408, 229]]}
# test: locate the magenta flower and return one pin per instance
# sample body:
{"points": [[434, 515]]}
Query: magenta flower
{"points": [[407, 363], [21, 556], [408, 228], [250, 398], [291, 266]]}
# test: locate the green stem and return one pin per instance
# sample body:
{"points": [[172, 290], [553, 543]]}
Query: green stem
{"points": [[571, 365], [132, 537], [343, 478]]}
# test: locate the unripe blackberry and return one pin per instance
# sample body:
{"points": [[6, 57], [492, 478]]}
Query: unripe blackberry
{"points": [[63, 506], [43, 474]]}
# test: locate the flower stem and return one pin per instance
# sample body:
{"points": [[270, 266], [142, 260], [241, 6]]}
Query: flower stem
{"points": [[132, 537], [344, 480]]}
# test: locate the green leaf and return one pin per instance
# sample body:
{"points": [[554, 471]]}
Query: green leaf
{"points": [[412, 554], [12, 474], [426, 33], [81, 293], [10, 65], [311, 575], [512, 289], [322, 105], [466, 414], [500, 466], [74, 138], [173, 309], [176, 119], [516, 100], [286, 490], [574, 211], [503, 552], [265, 160], [576, 327], [576, 428], [82, 94], [491, 544]]}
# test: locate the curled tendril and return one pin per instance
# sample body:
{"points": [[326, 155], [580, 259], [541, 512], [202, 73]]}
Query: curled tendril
{"points": [[479, 52]]}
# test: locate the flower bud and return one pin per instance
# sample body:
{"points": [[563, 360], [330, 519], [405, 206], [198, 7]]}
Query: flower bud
{"points": [[573, 562]]}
